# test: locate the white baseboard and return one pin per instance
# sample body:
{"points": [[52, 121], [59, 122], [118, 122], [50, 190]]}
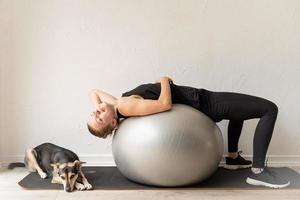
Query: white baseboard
{"points": [[107, 160], [91, 160]]}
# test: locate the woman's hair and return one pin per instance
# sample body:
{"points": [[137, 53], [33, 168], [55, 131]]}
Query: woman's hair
{"points": [[103, 132]]}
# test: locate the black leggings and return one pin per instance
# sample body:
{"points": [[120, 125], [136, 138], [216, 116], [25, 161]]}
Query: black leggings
{"points": [[236, 108]]}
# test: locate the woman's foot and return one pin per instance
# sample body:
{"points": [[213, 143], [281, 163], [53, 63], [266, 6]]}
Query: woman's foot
{"points": [[237, 163], [267, 178]]}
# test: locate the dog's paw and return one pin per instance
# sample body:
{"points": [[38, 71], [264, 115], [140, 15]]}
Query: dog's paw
{"points": [[88, 186], [43, 175], [79, 186], [54, 180]]}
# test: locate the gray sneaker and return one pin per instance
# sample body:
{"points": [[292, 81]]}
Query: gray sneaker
{"points": [[267, 178]]}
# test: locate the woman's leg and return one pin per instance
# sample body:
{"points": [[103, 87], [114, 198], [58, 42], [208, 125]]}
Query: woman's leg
{"points": [[263, 135], [233, 134], [238, 107], [234, 161]]}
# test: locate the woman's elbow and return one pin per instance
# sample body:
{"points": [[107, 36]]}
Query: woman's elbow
{"points": [[168, 106], [165, 105]]}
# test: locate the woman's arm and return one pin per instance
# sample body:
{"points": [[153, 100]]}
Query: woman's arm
{"points": [[165, 93], [98, 97], [139, 107]]}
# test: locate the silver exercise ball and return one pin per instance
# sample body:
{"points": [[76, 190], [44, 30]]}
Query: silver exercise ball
{"points": [[174, 148]]}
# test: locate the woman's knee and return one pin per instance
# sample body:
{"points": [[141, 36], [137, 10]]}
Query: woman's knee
{"points": [[272, 108]]}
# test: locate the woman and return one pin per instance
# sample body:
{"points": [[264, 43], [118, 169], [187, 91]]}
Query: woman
{"points": [[158, 97]]}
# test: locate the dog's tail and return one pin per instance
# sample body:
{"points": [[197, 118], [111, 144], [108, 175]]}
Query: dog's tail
{"points": [[15, 164]]}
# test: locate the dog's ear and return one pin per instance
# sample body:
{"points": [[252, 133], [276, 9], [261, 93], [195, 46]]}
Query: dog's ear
{"points": [[78, 163]]}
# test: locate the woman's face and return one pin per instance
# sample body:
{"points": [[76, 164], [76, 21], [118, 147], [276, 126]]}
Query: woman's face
{"points": [[102, 116]]}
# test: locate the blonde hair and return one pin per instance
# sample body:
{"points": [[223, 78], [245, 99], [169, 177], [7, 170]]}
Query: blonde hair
{"points": [[104, 131]]}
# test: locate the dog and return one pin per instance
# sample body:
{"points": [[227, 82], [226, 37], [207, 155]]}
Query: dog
{"points": [[63, 165]]}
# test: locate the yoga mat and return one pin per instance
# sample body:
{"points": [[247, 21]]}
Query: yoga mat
{"points": [[109, 178]]}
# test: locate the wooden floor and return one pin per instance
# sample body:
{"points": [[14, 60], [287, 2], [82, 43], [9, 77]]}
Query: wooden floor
{"points": [[9, 189]]}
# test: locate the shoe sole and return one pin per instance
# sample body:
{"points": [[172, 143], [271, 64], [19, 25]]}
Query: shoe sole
{"points": [[260, 183], [235, 167]]}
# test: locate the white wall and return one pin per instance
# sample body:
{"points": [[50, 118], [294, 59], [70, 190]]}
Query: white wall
{"points": [[53, 52]]}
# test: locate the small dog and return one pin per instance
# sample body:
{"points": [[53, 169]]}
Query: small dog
{"points": [[63, 165]]}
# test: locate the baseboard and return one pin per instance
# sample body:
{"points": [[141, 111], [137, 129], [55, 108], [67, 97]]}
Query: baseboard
{"points": [[107, 160], [91, 160]]}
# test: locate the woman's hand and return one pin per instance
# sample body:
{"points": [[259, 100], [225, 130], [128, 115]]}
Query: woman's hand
{"points": [[165, 77], [98, 107], [97, 97]]}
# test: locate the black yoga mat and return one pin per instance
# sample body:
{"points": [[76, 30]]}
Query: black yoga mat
{"points": [[109, 178]]}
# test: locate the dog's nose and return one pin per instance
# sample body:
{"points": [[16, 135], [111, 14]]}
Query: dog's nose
{"points": [[68, 189]]}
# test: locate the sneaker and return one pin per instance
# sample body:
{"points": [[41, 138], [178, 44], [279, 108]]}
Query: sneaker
{"points": [[267, 178], [237, 163]]}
